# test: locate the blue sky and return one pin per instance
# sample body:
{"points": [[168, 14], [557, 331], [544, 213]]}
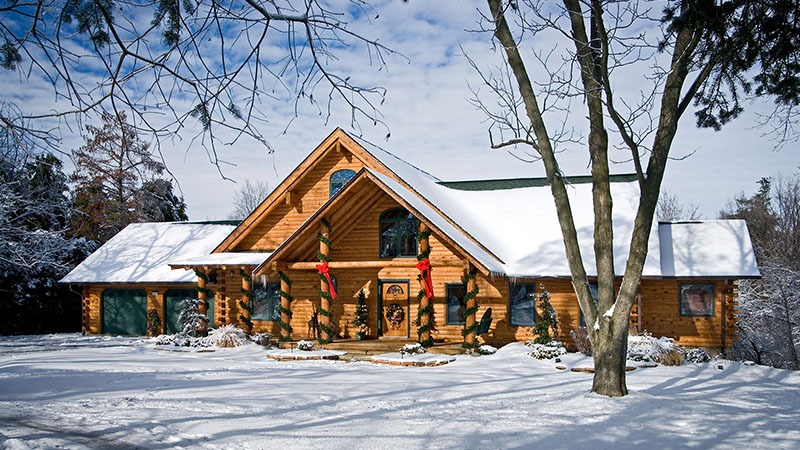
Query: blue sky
{"points": [[432, 123]]}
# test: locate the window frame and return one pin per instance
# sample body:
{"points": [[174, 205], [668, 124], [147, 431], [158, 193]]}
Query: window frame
{"points": [[511, 298], [683, 303], [273, 303], [448, 289], [345, 175], [407, 218]]}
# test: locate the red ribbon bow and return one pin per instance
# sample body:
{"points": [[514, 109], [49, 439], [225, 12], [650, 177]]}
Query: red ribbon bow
{"points": [[323, 269], [424, 266]]}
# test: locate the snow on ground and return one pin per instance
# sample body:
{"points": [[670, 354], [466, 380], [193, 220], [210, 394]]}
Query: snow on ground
{"points": [[69, 391]]}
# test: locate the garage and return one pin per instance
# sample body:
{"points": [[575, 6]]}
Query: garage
{"points": [[125, 312]]}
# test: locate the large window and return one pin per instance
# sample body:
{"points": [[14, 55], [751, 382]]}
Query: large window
{"points": [[398, 233], [339, 179], [593, 290], [522, 304], [455, 303], [266, 302], [697, 299]]}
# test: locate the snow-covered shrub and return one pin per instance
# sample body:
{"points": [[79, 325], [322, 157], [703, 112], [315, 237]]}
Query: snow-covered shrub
{"points": [[697, 355], [228, 336], [193, 323], [663, 350], [546, 326], [551, 350], [182, 340], [487, 350], [581, 337], [305, 346], [262, 339], [413, 349]]}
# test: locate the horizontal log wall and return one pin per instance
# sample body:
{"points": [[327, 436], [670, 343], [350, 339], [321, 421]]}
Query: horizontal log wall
{"points": [[308, 195]]}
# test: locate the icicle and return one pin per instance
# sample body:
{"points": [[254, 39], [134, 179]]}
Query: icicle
{"points": [[264, 280]]}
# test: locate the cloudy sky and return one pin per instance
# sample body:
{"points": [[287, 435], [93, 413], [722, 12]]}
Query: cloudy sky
{"points": [[432, 123]]}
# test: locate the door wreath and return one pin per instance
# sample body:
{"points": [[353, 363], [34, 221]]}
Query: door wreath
{"points": [[395, 315]]}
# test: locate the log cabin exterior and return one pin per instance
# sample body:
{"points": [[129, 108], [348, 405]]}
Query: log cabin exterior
{"points": [[437, 255]]}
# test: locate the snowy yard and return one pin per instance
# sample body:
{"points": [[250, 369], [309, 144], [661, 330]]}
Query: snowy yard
{"points": [[69, 391]]}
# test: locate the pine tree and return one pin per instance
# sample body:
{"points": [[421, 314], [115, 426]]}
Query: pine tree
{"points": [[361, 320], [546, 322]]}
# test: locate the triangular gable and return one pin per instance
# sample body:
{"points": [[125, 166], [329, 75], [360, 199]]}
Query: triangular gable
{"points": [[337, 141], [356, 198]]}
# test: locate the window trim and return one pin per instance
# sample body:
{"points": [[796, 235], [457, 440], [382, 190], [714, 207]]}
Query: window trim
{"points": [[398, 246], [511, 319], [343, 181], [447, 288]]}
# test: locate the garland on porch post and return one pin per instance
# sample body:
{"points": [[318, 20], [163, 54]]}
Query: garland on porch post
{"points": [[203, 276], [469, 275], [426, 292], [326, 332], [247, 307], [287, 311]]}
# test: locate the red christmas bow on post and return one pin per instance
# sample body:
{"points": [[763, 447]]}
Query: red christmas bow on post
{"points": [[323, 269], [424, 266]]}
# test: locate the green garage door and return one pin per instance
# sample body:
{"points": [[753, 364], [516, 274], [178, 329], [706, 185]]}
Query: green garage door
{"points": [[125, 312], [173, 302]]}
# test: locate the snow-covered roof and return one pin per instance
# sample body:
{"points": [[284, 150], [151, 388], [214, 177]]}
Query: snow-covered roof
{"points": [[222, 259], [708, 248], [141, 253]]}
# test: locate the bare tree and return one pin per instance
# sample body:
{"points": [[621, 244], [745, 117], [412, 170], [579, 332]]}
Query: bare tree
{"points": [[248, 197], [671, 209], [700, 54], [221, 63]]}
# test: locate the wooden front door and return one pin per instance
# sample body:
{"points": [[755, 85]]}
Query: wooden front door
{"points": [[395, 308]]}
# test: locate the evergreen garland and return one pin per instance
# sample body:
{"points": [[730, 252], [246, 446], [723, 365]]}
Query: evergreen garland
{"points": [[245, 319], [324, 329], [204, 290], [288, 312], [427, 310], [468, 276]]}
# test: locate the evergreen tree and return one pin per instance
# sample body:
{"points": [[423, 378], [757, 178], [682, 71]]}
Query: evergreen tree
{"points": [[361, 320], [546, 326]]}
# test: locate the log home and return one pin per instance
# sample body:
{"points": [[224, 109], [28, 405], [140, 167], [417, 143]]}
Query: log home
{"points": [[433, 256]]}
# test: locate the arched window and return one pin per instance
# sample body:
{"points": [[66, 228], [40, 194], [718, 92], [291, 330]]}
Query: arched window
{"points": [[339, 179], [398, 233]]}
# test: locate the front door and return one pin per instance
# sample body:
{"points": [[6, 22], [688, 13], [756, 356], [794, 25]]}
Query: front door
{"points": [[394, 308]]}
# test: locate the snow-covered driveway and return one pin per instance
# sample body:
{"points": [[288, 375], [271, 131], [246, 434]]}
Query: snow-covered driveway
{"points": [[69, 391]]}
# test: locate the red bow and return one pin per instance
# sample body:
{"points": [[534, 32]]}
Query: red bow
{"points": [[323, 269], [424, 266]]}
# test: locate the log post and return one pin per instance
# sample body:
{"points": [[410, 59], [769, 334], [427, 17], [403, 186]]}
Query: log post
{"points": [[425, 308], [202, 295], [286, 307], [247, 288], [325, 329], [471, 309]]}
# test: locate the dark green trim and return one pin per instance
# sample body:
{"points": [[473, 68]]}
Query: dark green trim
{"points": [[516, 183]]}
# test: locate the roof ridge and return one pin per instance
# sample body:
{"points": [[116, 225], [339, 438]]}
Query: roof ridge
{"points": [[517, 183]]}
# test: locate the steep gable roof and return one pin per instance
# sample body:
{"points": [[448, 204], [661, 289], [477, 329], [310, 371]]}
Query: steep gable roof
{"points": [[340, 205], [338, 141]]}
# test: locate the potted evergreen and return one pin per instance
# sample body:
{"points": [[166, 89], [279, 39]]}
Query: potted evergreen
{"points": [[361, 320]]}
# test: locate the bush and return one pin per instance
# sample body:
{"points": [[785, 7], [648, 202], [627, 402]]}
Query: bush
{"points": [[487, 350], [646, 348], [182, 340], [551, 350], [262, 339], [413, 349], [697, 355], [305, 346], [228, 336], [581, 337]]}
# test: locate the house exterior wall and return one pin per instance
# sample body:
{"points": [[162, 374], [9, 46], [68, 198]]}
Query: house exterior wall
{"points": [[92, 322]]}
